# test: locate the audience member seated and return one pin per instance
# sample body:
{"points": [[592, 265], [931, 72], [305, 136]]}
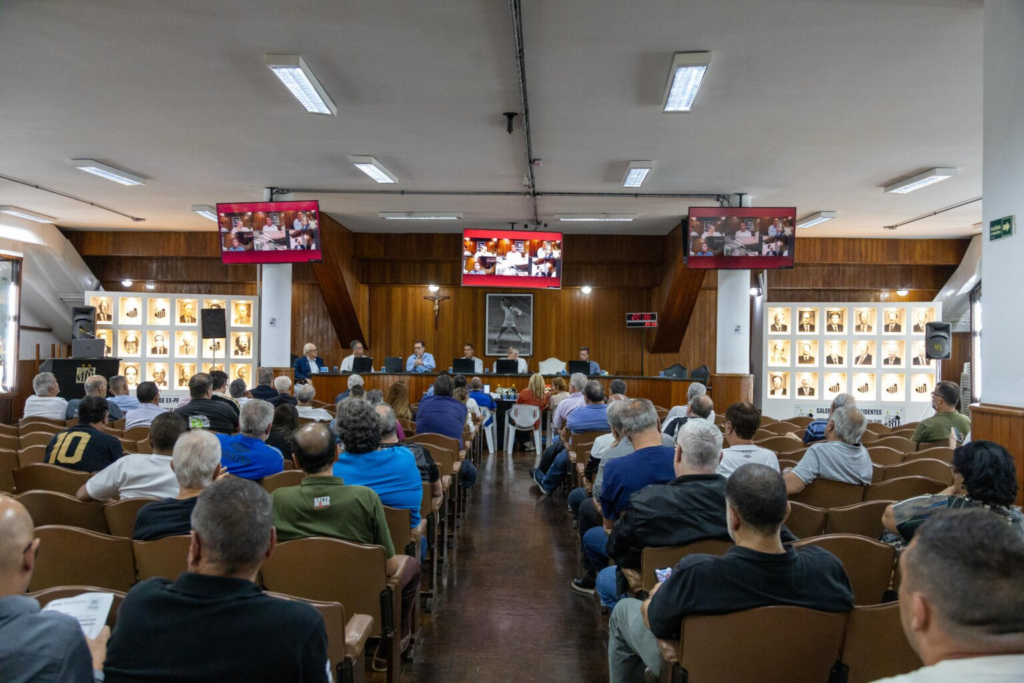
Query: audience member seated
{"points": [[42, 647], [264, 389], [325, 505], [353, 381], [840, 457], [984, 476], [141, 475], [741, 423], [94, 386], [937, 427], [398, 398], [815, 431], [482, 398], [358, 392], [442, 413], [119, 395], [304, 394], [283, 385], [758, 571], [559, 415], [617, 387], [202, 412], [962, 600], [214, 623], [695, 389], [86, 447], [310, 364], [286, 421], [238, 392], [592, 416], [46, 403], [148, 409], [601, 448], [700, 407], [196, 464], [424, 461], [461, 394], [558, 392], [220, 390], [247, 454]]}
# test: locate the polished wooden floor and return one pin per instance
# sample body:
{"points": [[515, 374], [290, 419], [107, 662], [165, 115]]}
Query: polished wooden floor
{"points": [[508, 613]]}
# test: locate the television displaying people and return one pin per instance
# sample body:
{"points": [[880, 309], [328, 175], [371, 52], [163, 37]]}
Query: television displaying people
{"points": [[892, 387], [808, 385], [186, 344], [157, 373], [242, 314], [922, 316], [131, 311], [807, 352], [104, 311], [893, 354], [241, 345], [511, 257], [740, 236], [270, 231], [921, 360], [835, 353], [779, 320], [808, 321], [778, 353], [187, 312], [864, 353], [864, 320], [159, 343], [159, 312], [778, 385], [864, 385], [893, 321], [835, 320], [129, 343]]}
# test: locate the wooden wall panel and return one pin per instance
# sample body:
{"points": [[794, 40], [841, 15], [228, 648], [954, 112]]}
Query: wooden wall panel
{"points": [[1005, 426], [843, 250], [961, 353]]}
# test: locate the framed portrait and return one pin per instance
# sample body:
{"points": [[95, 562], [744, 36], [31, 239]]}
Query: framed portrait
{"points": [[215, 304], [509, 324], [132, 374], [778, 353], [807, 321], [864, 385], [159, 343], [834, 354], [108, 338], [864, 353], [157, 374], [210, 367], [214, 348], [182, 374], [893, 387], [778, 320], [864, 320], [806, 352], [778, 385], [241, 314], [241, 345], [807, 385], [188, 311], [129, 343], [160, 311], [922, 316], [834, 384], [185, 344], [892, 320], [918, 358], [242, 371], [835, 321], [104, 309], [921, 387], [893, 354], [131, 310]]}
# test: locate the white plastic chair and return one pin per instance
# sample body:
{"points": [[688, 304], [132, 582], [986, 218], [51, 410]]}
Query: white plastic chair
{"points": [[490, 430], [551, 366], [521, 417]]}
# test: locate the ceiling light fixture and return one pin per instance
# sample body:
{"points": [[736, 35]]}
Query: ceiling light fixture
{"points": [[903, 292], [108, 172], [586, 289], [636, 173], [596, 217], [151, 286], [206, 211], [419, 216], [815, 219], [920, 180], [433, 288], [684, 79], [300, 81], [126, 282], [26, 214], [374, 169]]}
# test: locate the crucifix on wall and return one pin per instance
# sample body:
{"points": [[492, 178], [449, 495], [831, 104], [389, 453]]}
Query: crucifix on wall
{"points": [[437, 299]]}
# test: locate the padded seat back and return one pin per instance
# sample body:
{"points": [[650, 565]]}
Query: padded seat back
{"points": [[898, 442], [874, 646], [943, 453], [49, 508], [868, 563], [862, 519], [800, 421], [903, 488], [36, 439], [399, 526], [333, 614], [660, 558], [878, 428], [805, 521], [49, 478], [282, 479], [76, 557], [33, 455], [922, 467], [826, 493], [778, 444], [437, 440], [551, 366], [8, 463], [885, 456], [701, 374], [676, 371], [121, 515], [165, 557], [781, 428]]}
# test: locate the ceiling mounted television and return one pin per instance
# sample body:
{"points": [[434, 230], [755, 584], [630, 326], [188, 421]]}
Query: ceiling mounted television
{"points": [[739, 238], [270, 232], [503, 258]]}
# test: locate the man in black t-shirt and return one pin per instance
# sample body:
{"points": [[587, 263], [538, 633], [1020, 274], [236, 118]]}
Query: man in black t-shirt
{"points": [[202, 412], [758, 571], [85, 447]]}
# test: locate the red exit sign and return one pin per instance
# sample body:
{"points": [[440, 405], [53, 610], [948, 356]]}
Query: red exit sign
{"points": [[646, 320]]}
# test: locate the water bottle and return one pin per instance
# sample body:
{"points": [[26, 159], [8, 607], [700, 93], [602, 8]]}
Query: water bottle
{"points": [[335, 368], [661, 374]]}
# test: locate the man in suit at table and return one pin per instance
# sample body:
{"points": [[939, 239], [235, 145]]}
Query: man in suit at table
{"points": [[892, 323], [863, 357], [778, 325], [309, 364], [806, 357]]}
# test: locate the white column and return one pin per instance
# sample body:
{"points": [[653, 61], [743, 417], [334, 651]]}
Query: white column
{"points": [[276, 315], [733, 337], [1002, 277]]}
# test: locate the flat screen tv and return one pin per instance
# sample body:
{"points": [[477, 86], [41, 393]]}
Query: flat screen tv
{"points": [[270, 232], [503, 258], [739, 238]]}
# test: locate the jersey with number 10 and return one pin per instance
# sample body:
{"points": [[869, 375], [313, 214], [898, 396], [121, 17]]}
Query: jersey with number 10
{"points": [[84, 449]]}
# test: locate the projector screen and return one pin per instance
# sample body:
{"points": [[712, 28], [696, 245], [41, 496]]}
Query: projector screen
{"points": [[270, 232]]}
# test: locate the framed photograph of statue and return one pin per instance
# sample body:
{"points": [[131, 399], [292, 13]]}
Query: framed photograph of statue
{"points": [[509, 324]]}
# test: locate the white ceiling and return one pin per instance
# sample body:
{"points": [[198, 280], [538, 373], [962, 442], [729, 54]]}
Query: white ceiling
{"points": [[810, 103]]}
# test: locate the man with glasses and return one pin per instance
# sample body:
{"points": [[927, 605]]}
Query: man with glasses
{"points": [[946, 418], [309, 364]]}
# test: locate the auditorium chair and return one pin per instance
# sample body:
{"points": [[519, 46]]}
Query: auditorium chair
{"points": [[943, 453], [777, 643], [676, 371], [8, 463], [447, 463], [898, 443], [408, 426], [348, 573], [923, 467], [903, 488], [33, 455], [48, 508], [117, 424], [660, 558], [438, 440], [49, 478], [282, 480], [795, 454], [346, 639], [784, 463], [861, 519], [404, 538], [136, 434], [805, 521], [868, 563], [869, 438], [127, 445], [877, 473], [765, 420], [878, 428], [800, 421], [10, 441], [490, 430], [143, 446], [911, 426], [582, 454], [430, 513], [8, 430], [522, 418], [701, 374], [121, 514], [73, 422], [884, 455], [71, 557], [874, 646], [36, 439], [37, 420], [165, 557], [778, 443], [579, 443], [48, 595], [662, 413], [551, 366], [826, 493], [781, 428]]}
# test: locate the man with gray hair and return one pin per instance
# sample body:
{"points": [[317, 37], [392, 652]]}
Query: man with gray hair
{"points": [[700, 407], [202, 412], [304, 394], [694, 390], [195, 462], [264, 389], [565, 408], [840, 457], [238, 392], [353, 381], [816, 429], [283, 386], [94, 386], [173, 630], [592, 416], [247, 454], [46, 403], [119, 395]]}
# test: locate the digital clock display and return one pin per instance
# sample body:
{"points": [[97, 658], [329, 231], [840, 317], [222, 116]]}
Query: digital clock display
{"points": [[641, 320]]}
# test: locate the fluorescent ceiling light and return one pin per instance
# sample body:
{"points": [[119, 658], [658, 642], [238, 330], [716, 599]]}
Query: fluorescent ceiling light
{"points": [[26, 214], [301, 82], [596, 217], [108, 172], [815, 219], [419, 216], [206, 211], [374, 169], [684, 79], [920, 180], [636, 173]]}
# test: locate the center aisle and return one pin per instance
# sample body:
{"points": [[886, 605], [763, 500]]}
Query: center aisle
{"points": [[508, 613]]}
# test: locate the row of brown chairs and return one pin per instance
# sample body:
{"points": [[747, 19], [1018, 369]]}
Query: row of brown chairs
{"points": [[826, 493], [922, 467], [50, 508]]}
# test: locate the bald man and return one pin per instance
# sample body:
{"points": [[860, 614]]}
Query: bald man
{"points": [[36, 646]]}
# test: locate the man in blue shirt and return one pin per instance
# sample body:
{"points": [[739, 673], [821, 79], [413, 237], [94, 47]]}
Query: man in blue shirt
{"points": [[420, 360], [119, 394], [441, 412], [592, 416], [595, 369], [246, 454], [94, 386], [815, 431]]}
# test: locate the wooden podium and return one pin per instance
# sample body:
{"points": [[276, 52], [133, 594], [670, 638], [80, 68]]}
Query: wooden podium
{"points": [[71, 373]]}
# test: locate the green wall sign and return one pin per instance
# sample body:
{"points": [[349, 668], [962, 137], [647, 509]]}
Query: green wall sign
{"points": [[1000, 228]]}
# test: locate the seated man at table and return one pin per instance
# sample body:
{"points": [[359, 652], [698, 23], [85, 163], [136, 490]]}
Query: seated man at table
{"points": [[595, 369], [420, 360], [513, 354], [357, 352], [840, 457], [86, 447], [468, 351], [592, 416], [758, 571], [308, 364]]}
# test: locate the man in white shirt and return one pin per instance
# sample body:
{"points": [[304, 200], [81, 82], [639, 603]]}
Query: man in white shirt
{"points": [[148, 409], [742, 421], [513, 354], [962, 599], [468, 351], [304, 394], [46, 403], [141, 475], [357, 352]]}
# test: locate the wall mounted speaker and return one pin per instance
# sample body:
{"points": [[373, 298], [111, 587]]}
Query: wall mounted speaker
{"points": [[213, 322], [938, 341], [83, 322]]}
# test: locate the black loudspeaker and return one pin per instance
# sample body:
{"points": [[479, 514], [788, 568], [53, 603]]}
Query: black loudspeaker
{"points": [[83, 322], [938, 343], [214, 323]]}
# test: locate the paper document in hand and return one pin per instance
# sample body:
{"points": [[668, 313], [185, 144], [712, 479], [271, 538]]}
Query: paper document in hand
{"points": [[91, 610]]}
